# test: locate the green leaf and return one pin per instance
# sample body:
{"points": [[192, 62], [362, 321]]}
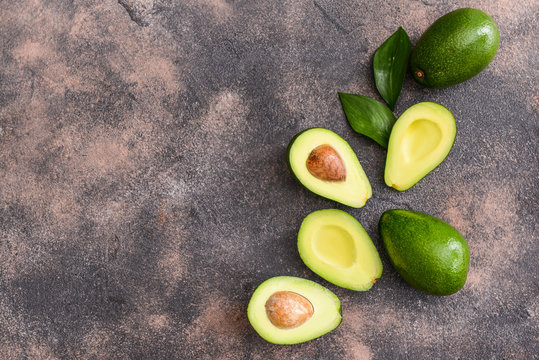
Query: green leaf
{"points": [[390, 63], [368, 117]]}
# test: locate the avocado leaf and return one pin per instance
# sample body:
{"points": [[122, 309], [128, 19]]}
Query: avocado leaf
{"points": [[390, 63], [368, 117]]}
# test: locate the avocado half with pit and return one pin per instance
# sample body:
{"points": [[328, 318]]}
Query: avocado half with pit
{"points": [[325, 164], [291, 310], [335, 246], [420, 140]]}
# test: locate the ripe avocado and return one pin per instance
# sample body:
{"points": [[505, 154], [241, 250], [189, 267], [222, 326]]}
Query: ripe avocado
{"points": [[325, 164], [428, 253], [291, 310], [336, 247], [456, 47], [420, 140]]}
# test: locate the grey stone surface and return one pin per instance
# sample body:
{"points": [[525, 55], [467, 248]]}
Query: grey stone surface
{"points": [[144, 192]]}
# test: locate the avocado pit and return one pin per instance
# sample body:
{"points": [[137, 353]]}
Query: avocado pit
{"points": [[325, 163], [288, 310]]}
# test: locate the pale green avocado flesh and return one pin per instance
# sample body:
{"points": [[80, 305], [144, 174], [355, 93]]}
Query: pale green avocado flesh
{"points": [[354, 190], [326, 310], [420, 140], [334, 245]]}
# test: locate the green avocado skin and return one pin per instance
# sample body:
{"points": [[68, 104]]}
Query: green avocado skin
{"points": [[456, 47], [427, 252]]}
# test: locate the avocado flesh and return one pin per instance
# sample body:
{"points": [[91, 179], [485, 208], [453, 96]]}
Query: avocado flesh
{"points": [[353, 191], [456, 47], [420, 140], [326, 315], [334, 245], [428, 253]]}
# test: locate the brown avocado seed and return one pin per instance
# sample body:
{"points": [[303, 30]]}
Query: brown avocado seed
{"points": [[287, 310], [325, 163]]}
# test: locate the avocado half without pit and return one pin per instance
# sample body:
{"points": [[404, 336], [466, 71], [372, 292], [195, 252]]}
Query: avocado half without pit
{"points": [[291, 310], [334, 245], [420, 140], [325, 164]]}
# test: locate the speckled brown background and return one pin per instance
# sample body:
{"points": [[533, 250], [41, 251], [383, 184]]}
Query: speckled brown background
{"points": [[144, 192]]}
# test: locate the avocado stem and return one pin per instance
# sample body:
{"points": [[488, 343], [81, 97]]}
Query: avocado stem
{"points": [[420, 74]]}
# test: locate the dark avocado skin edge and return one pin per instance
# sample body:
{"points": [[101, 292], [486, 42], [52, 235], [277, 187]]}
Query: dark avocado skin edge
{"points": [[416, 271], [451, 52]]}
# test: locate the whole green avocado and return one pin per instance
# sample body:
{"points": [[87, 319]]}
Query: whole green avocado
{"points": [[456, 47], [427, 252]]}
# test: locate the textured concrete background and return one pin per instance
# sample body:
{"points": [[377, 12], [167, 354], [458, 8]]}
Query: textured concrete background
{"points": [[144, 192]]}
